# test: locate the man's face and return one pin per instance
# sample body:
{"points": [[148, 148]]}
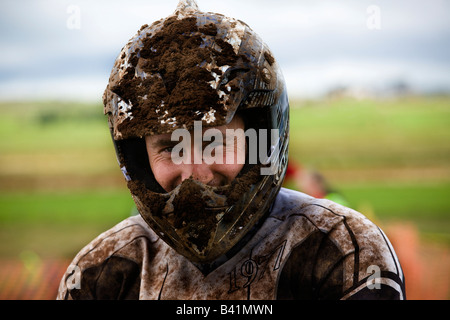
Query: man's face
{"points": [[216, 173]]}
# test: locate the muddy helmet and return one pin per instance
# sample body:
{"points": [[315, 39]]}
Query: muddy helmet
{"points": [[203, 67]]}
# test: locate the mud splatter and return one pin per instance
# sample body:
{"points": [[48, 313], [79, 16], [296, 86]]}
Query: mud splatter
{"points": [[173, 78], [194, 209]]}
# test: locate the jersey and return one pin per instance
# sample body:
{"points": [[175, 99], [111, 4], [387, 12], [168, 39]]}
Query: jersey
{"points": [[306, 248]]}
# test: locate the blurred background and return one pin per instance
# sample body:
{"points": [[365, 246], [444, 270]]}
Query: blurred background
{"points": [[369, 85]]}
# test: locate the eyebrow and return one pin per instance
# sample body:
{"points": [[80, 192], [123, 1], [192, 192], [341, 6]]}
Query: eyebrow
{"points": [[163, 142]]}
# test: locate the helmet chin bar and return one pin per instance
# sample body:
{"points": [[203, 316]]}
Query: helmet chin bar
{"points": [[203, 222]]}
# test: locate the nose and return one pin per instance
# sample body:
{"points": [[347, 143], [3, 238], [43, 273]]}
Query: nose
{"points": [[200, 172], [197, 169]]}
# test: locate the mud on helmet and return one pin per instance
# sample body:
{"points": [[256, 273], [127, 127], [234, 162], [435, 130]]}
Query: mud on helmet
{"points": [[197, 66]]}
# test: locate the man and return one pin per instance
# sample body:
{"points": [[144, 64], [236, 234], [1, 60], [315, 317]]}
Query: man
{"points": [[199, 116]]}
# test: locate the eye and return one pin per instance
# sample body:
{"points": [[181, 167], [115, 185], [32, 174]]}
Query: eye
{"points": [[166, 150]]}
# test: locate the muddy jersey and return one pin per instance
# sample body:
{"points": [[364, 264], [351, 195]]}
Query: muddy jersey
{"points": [[306, 249]]}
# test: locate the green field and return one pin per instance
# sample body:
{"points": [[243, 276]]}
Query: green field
{"points": [[60, 184], [390, 157]]}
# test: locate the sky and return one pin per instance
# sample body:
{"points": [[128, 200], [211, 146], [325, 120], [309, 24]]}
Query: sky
{"points": [[61, 49]]}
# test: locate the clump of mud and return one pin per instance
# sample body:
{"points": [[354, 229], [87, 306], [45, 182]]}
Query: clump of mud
{"points": [[194, 209], [172, 79]]}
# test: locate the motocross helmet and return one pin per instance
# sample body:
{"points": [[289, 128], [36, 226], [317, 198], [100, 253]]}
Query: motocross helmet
{"points": [[197, 66]]}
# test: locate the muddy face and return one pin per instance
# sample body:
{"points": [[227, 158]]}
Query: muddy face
{"points": [[215, 172]]}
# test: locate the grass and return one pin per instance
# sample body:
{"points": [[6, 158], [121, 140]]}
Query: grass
{"points": [[371, 134], [390, 158], [93, 206], [58, 224], [426, 205]]}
